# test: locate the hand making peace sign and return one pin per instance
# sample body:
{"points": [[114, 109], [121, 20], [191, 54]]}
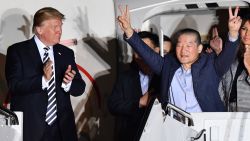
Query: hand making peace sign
{"points": [[124, 21], [234, 22]]}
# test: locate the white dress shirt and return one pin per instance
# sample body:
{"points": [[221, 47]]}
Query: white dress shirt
{"points": [[41, 50]]}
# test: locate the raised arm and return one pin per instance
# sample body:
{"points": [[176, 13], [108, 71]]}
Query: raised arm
{"points": [[154, 60], [226, 57]]}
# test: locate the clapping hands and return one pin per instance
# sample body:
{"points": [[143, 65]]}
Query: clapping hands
{"points": [[48, 70], [69, 75]]}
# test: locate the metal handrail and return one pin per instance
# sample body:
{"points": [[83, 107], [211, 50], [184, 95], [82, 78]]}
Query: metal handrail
{"points": [[176, 112], [10, 116]]}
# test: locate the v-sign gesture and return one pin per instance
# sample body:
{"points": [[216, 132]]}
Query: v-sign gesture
{"points": [[234, 22], [124, 21]]}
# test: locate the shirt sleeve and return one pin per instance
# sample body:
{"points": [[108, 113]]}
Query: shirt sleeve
{"points": [[44, 83], [232, 39], [66, 87]]}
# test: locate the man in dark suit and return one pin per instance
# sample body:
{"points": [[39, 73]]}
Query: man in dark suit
{"points": [[190, 79], [41, 76], [131, 95]]}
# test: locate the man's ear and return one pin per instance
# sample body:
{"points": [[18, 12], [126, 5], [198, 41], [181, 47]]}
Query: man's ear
{"points": [[38, 30], [200, 47]]}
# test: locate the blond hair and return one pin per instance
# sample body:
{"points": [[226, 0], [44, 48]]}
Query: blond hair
{"points": [[46, 13]]}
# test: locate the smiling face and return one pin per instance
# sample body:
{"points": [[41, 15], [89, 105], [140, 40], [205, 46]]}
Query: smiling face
{"points": [[49, 32], [187, 49], [245, 33]]}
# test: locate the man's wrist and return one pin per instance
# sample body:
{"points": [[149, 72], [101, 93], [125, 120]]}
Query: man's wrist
{"points": [[233, 35], [129, 32]]}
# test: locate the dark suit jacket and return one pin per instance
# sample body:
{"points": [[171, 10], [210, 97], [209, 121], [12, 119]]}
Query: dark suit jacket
{"points": [[123, 103], [24, 71], [206, 72]]}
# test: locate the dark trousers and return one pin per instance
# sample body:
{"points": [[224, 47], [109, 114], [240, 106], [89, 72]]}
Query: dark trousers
{"points": [[52, 133]]}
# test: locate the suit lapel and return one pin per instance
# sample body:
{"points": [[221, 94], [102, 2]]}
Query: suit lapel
{"points": [[33, 51], [57, 59], [55, 51]]}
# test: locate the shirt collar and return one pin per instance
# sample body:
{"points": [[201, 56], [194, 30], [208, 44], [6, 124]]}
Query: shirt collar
{"points": [[185, 71], [40, 44]]}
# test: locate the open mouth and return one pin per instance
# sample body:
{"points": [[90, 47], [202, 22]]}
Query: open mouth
{"points": [[184, 56]]}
